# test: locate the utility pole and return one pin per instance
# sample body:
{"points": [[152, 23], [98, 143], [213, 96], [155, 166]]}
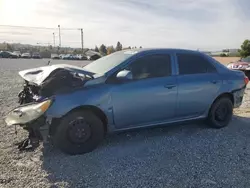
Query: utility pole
{"points": [[59, 36], [82, 39], [54, 40]]}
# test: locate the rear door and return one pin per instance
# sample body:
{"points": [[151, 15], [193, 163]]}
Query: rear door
{"points": [[198, 83]]}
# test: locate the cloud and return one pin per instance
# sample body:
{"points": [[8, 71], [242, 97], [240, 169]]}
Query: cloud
{"points": [[204, 24]]}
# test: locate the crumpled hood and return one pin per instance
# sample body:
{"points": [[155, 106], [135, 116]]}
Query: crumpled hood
{"points": [[38, 75]]}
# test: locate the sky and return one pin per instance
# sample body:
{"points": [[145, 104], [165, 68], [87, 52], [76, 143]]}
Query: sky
{"points": [[192, 24]]}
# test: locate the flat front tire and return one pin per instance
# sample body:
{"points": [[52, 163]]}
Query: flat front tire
{"points": [[220, 113], [79, 132]]}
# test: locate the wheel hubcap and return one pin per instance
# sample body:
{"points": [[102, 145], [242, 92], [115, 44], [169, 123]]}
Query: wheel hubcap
{"points": [[221, 113], [79, 131]]}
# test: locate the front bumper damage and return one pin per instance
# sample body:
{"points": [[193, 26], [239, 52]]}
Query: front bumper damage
{"points": [[38, 129], [36, 134]]}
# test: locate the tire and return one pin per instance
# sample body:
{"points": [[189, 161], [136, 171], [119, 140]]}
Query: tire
{"points": [[221, 113], [74, 145]]}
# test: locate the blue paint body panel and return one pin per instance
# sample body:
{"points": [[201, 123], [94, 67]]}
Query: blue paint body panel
{"points": [[153, 101]]}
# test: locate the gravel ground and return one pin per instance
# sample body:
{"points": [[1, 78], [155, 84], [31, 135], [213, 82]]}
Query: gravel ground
{"points": [[175, 156]]}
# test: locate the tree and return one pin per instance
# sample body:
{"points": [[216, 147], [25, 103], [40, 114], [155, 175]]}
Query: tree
{"points": [[223, 55], [140, 46], [110, 50], [9, 47], [96, 49], [245, 49], [103, 49], [118, 46]]}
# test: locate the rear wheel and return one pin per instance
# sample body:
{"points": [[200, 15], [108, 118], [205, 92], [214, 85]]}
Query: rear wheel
{"points": [[221, 113], [79, 132]]}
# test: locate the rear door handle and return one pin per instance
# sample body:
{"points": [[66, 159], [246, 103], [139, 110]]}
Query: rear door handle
{"points": [[214, 81], [170, 86]]}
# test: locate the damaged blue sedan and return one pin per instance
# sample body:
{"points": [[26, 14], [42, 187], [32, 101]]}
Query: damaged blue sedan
{"points": [[75, 107]]}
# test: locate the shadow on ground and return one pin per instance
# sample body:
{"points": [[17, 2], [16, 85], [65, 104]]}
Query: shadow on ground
{"points": [[172, 156]]}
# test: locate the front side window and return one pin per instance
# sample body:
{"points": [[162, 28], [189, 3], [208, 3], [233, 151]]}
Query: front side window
{"points": [[194, 64], [151, 66]]}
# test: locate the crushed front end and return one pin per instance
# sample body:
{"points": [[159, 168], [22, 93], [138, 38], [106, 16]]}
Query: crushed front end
{"points": [[29, 93], [32, 118], [58, 81]]}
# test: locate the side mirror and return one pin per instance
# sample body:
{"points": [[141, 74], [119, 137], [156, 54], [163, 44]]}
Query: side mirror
{"points": [[124, 75]]}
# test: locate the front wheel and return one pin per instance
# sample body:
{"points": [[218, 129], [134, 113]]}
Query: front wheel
{"points": [[79, 132], [220, 113]]}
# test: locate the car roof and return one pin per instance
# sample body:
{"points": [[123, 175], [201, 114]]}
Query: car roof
{"points": [[173, 50]]}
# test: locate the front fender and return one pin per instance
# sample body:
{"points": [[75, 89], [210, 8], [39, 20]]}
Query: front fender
{"points": [[95, 96]]}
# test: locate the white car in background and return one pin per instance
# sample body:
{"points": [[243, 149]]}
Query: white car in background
{"points": [[18, 53], [26, 55], [55, 56]]}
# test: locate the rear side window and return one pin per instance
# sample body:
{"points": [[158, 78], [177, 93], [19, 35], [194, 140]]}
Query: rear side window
{"points": [[151, 66], [194, 64]]}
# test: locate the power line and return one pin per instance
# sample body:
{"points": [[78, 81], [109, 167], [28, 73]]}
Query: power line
{"points": [[3, 30], [15, 33], [43, 28]]}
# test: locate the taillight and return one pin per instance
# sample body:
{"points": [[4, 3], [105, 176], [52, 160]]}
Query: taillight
{"points": [[246, 80]]}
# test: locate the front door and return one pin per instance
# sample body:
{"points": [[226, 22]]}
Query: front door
{"points": [[150, 97]]}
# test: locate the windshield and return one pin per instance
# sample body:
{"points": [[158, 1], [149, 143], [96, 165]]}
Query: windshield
{"points": [[247, 59], [105, 64]]}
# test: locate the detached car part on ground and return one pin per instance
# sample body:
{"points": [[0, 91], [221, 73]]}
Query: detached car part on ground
{"points": [[76, 107], [242, 65]]}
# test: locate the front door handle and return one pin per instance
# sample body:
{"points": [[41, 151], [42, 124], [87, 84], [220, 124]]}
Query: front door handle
{"points": [[170, 86]]}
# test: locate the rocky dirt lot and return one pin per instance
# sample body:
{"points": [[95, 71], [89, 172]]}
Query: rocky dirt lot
{"points": [[175, 156]]}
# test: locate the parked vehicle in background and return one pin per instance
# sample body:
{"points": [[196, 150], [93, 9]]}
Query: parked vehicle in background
{"points": [[61, 56], [81, 57], [242, 65], [55, 56], [36, 55], [18, 53], [26, 55], [70, 57], [76, 107], [93, 57], [7, 54]]}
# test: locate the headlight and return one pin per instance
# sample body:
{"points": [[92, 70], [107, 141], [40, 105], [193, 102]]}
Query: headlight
{"points": [[25, 114]]}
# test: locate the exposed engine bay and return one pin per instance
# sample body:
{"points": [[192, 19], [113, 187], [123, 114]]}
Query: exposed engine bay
{"points": [[43, 82]]}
